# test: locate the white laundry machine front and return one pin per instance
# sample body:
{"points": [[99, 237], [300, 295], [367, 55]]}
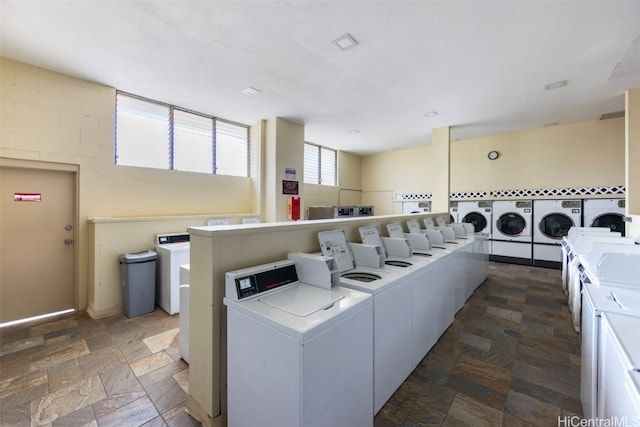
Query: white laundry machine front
{"points": [[416, 207], [595, 301], [298, 354], [604, 213], [511, 236], [478, 213], [173, 251], [553, 219], [618, 362], [392, 312]]}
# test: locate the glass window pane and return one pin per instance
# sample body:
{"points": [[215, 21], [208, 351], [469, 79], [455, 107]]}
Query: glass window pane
{"points": [[328, 164], [311, 164], [192, 142], [142, 133], [232, 149]]}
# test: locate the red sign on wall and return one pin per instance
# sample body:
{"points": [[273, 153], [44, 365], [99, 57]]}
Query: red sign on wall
{"points": [[27, 197]]}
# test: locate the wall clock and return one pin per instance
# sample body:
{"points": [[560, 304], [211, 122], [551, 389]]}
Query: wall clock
{"points": [[493, 155]]}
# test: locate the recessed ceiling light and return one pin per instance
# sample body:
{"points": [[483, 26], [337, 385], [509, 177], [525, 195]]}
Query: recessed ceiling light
{"points": [[251, 91], [345, 42], [430, 114], [556, 85]]}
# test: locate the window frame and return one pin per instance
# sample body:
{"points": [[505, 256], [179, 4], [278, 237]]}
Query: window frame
{"points": [[321, 170], [171, 136]]}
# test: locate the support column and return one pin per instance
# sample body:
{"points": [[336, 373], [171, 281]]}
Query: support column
{"points": [[441, 167], [284, 149], [632, 161]]}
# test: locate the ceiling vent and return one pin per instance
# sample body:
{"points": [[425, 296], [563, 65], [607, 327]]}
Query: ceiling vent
{"points": [[556, 85], [345, 42], [613, 115]]}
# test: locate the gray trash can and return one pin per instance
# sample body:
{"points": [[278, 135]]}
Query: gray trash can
{"points": [[138, 272]]}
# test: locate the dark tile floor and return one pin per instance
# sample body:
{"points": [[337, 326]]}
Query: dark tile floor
{"points": [[511, 358]]}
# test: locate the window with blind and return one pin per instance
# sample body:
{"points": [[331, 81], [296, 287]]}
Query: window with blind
{"points": [[320, 165], [156, 135]]}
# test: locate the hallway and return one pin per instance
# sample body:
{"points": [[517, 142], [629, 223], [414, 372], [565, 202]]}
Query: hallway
{"points": [[511, 358]]}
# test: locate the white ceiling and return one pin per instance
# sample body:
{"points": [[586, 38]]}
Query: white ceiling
{"points": [[482, 65]]}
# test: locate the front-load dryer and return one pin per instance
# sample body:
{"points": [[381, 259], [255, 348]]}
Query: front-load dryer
{"points": [[553, 219], [511, 235], [604, 213], [173, 251], [297, 354], [478, 213], [392, 313]]}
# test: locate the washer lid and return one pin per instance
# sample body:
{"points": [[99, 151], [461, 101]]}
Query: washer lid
{"points": [[302, 301]]}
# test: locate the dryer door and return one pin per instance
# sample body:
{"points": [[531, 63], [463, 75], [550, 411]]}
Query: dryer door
{"points": [[511, 224], [555, 226], [477, 219], [613, 221]]}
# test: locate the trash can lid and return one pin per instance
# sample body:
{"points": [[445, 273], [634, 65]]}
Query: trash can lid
{"points": [[136, 257]]}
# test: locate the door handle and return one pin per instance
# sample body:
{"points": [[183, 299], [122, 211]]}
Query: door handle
{"points": [[68, 241]]}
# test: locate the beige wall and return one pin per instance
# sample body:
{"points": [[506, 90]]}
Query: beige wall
{"points": [[50, 117], [395, 172], [576, 155]]}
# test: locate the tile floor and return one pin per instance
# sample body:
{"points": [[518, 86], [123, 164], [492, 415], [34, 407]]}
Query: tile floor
{"points": [[511, 358]]}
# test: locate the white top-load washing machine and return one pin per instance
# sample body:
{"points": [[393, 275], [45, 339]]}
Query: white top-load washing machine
{"points": [[173, 251], [604, 213], [478, 213], [299, 348], [568, 242], [584, 247], [553, 219], [392, 314], [595, 301], [618, 366], [511, 235], [432, 301]]}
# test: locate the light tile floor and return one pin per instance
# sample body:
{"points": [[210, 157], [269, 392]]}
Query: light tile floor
{"points": [[511, 358]]}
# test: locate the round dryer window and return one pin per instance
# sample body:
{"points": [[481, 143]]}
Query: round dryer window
{"points": [[478, 220], [556, 225], [614, 221], [511, 224]]}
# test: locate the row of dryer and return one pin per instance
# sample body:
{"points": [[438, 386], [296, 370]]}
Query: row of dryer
{"points": [[601, 276], [325, 339], [530, 232]]}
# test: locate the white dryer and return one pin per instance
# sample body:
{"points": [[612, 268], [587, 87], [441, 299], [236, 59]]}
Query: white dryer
{"points": [[478, 213], [298, 354], [392, 314], [511, 236], [416, 207], [553, 219], [604, 213], [173, 251]]}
